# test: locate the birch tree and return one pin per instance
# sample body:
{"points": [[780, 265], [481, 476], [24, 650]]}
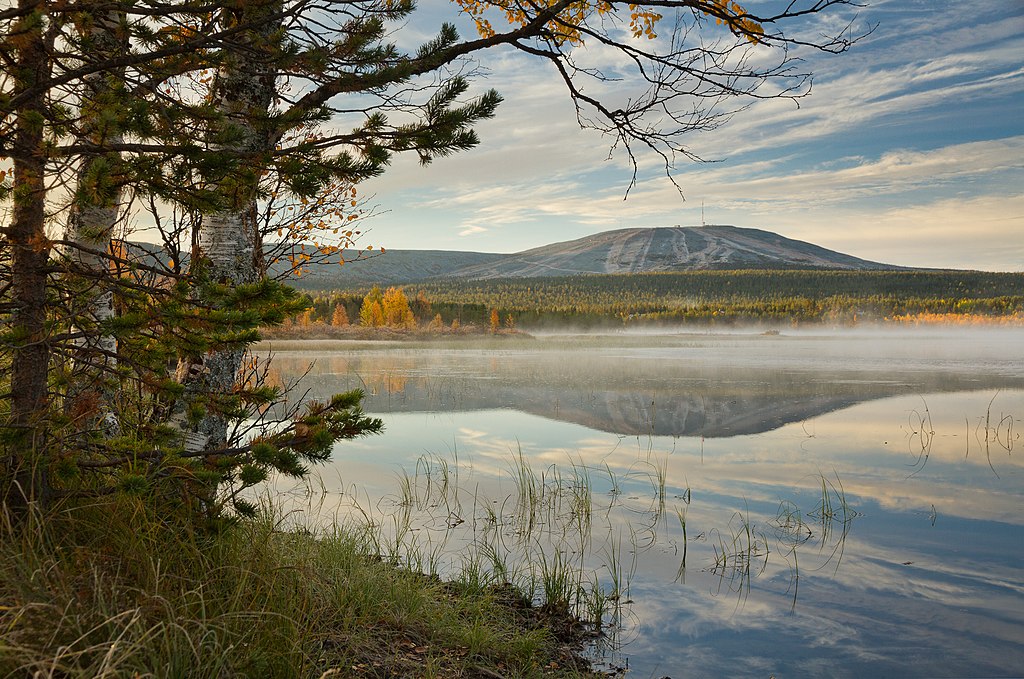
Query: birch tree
{"points": [[248, 133], [242, 92], [94, 213]]}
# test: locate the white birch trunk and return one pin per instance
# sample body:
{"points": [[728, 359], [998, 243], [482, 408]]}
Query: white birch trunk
{"points": [[243, 92], [90, 226]]}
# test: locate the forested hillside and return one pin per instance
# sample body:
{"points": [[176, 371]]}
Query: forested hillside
{"points": [[638, 250], [715, 297], [668, 249]]}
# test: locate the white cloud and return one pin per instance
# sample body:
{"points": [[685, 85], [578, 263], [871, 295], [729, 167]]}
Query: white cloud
{"points": [[895, 172], [472, 230], [801, 204]]}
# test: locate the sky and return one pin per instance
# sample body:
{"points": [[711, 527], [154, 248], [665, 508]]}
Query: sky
{"points": [[909, 150]]}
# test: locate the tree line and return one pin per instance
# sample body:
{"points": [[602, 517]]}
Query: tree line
{"points": [[707, 297]]}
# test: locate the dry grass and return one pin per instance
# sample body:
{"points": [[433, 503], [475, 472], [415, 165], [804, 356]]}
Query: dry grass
{"points": [[114, 590]]}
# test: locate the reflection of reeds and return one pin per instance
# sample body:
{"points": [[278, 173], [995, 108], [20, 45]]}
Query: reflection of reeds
{"points": [[615, 489], [791, 532], [681, 572], [833, 511], [832, 520], [581, 503], [1001, 433], [434, 484], [741, 555], [552, 533], [921, 436], [791, 527], [660, 467]]}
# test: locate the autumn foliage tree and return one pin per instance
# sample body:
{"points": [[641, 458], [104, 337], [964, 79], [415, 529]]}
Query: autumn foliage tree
{"points": [[339, 317], [371, 313], [386, 309], [397, 313]]}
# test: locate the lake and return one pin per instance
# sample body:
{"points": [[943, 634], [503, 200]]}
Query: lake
{"points": [[820, 502]]}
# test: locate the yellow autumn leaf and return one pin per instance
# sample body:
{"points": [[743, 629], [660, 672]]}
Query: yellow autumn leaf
{"points": [[566, 26]]}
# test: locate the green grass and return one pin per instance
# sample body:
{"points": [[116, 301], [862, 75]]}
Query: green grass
{"points": [[116, 590]]}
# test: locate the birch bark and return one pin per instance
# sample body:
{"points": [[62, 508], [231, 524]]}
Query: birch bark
{"points": [[91, 223], [226, 251]]}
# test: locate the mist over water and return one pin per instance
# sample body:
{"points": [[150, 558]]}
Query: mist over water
{"points": [[673, 385], [840, 503]]}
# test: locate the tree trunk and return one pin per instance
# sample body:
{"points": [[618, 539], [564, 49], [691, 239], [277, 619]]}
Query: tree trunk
{"points": [[90, 225], [226, 252], [30, 252]]}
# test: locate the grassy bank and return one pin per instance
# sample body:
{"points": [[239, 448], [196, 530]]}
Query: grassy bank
{"points": [[116, 590]]}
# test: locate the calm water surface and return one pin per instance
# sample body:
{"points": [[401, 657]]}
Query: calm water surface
{"points": [[827, 504]]}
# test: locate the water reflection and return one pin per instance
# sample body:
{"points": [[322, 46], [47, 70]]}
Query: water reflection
{"points": [[669, 386], [880, 538]]}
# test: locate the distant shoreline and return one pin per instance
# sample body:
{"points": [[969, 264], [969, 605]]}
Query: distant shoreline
{"points": [[355, 333], [296, 338]]}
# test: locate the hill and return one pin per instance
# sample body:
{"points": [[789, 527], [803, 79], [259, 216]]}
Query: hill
{"points": [[668, 249], [392, 267], [647, 250]]}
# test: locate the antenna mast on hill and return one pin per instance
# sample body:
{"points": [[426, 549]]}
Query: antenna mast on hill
{"points": [[702, 214]]}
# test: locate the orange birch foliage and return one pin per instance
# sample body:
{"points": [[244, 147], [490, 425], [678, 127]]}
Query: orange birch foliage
{"points": [[340, 317], [395, 307], [930, 318], [371, 315], [569, 17], [299, 232]]}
